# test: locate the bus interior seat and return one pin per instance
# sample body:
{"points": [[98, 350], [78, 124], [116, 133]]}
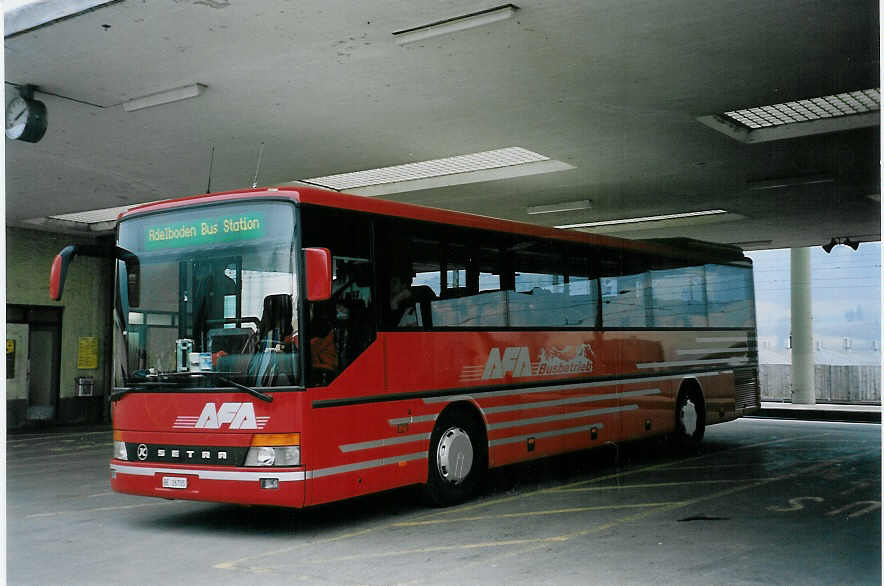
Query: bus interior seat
{"points": [[276, 319], [454, 292], [423, 296], [229, 340]]}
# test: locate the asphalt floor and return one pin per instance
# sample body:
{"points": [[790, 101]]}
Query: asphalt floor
{"points": [[764, 501]]}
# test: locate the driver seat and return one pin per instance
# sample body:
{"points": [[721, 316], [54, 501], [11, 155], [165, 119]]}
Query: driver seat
{"points": [[271, 359]]}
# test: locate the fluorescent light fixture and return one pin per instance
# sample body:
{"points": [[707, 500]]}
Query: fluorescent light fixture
{"points": [[492, 165], [781, 182], [93, 216], [805, 110], [101, 220], [643, 219], [166, 97], [23, 16], [751, 243], [565, 206], [831, 113], [455, 24]]}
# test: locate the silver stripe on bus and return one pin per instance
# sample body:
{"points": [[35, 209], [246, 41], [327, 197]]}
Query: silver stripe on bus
{"points": [[211, 474], [692, 362], [571, 401], [365, 465], [500, 409], [521, 438], [711, 351], [728, 339], [566, 387], [418, 419], [389, 441], [560, 417]]}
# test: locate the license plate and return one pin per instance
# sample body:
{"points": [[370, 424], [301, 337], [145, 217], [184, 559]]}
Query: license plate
{"points": [[174, 482]]}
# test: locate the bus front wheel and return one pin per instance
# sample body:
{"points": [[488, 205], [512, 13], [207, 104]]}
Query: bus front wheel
{"points": [[690, 418], [456, 459]]}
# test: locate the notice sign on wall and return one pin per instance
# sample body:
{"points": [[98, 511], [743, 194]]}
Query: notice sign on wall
{"points": [[87, 352], [10, 358]]}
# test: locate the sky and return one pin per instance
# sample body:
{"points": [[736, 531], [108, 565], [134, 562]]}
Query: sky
{"points": [[846, 298]]}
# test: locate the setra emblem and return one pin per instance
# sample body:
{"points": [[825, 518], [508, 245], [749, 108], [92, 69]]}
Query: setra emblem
{"points": [[142, 452]]}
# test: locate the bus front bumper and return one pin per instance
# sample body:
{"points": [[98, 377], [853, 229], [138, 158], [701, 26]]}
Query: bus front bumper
{"points": [[253, 486]]}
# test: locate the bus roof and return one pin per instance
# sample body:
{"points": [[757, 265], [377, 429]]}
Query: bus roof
{"points": [[674, 247]]}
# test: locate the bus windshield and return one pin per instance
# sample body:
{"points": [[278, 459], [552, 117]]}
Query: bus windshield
{"points": [[212, 299]]}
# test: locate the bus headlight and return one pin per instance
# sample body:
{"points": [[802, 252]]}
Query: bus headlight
{"points": [[275, 449], [119, 447]]}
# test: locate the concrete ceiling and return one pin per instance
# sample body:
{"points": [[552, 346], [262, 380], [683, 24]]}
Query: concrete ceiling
{"points": [[613, 88]]}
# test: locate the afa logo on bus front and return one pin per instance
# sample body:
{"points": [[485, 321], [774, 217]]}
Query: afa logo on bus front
{"points": [[233, 415]]}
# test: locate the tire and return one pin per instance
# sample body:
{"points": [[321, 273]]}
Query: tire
{"points": [[457, 460], [690, 418]]}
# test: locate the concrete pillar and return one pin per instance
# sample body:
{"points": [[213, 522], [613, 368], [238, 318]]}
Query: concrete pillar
{"points": [[803, 388]]}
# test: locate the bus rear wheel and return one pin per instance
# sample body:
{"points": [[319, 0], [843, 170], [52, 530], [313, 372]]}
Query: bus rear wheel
{"points": [[456, 459], [690, 418]]}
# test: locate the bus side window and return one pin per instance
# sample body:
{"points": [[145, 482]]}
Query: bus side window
{"points": [[339, 329], [409, 276]]}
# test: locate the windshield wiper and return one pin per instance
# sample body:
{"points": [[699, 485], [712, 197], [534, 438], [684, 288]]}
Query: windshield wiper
{"points": [[249, 390], [220, 375], [165, 377]]}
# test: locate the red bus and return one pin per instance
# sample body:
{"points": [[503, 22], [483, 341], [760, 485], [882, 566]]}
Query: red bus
{"points": [[295, 346]]}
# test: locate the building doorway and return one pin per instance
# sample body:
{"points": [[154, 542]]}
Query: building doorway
{"points": [[33, 347]]}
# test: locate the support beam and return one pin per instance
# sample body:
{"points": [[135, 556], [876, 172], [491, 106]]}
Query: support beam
{"points": [[803, 388]]}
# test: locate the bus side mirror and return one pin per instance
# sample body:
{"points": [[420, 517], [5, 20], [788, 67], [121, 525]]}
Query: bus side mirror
{"points": [[59, 271], [318, 273], [133, 281]]}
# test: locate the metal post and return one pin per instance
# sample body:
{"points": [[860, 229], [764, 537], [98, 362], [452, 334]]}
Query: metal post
{"points": [[803, 387]]}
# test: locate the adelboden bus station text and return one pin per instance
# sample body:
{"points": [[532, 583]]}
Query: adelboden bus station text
{"points": [[205, 231]]}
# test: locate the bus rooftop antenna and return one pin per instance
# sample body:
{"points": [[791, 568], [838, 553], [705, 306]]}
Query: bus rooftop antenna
{"points": [[211, 164], [258, 166]]}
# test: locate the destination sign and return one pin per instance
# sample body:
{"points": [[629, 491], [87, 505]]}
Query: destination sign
{"points": [[201, 232]]}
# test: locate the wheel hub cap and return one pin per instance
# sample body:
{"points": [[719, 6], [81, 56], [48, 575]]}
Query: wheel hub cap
{"points": [[689, 417], [454, 457]]}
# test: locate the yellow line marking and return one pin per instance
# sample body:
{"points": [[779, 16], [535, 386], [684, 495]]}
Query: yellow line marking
{"points": [[530, 514], [564, 537], [618, 475], [53, 437], [658, 484], [100, 509], [831, 441], [435, 549], [699, 499], [714, 466], [17, 458], [485, 561], [691, 459], [231, 565]]}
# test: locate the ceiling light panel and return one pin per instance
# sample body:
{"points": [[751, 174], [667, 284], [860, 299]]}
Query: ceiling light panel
{"points": [[93, 216], [845, 104], [644, 219], [565, 206], [165, 97], [455, 24], [505, 157]]}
